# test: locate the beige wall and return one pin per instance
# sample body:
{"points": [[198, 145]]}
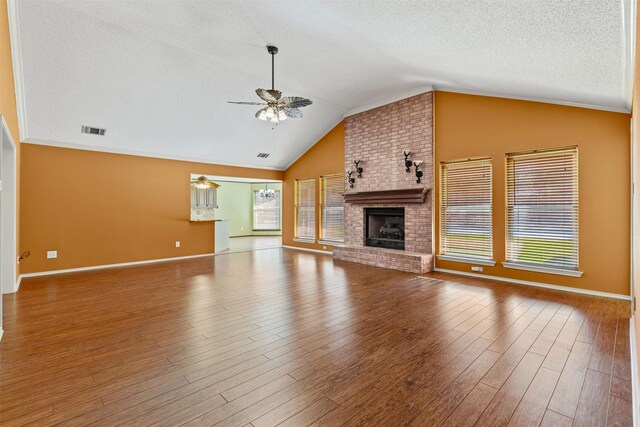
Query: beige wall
{"points": [[473, 126], [99, 208], [324, 158]]}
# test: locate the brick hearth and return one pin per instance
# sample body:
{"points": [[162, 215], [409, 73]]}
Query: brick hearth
{"points": [[378, 137]]}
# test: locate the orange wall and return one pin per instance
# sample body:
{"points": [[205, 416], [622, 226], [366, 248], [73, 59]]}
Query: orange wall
{"points": [[99, 208], [635, 110], [324, 158], [8, 96], [470, 126]]}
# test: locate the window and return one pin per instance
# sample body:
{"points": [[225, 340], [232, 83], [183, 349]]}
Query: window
{"points": [[542, 209], [332, 208], [306, 209], [466, 208], [266, 211]]}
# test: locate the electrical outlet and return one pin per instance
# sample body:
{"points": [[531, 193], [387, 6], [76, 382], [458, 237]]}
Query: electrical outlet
{"points": [[52, 254], [241, 228], [177, 243], [477, 268]]}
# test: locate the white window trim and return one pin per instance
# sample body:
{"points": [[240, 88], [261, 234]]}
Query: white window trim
{"points": [[468, 260], [278, 209], [296, 207], [331, 243], [462, 257], [542, 269], [302, 240]]}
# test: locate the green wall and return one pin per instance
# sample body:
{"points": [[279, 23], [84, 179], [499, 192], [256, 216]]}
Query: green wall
{"points": [[235, 203]]}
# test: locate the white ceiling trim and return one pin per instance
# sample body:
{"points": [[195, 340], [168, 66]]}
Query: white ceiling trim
{"points": [[16, 59], [533, 99], [110, 150]]}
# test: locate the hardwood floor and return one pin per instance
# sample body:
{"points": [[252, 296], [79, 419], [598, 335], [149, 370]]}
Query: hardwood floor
{"points": [[282, 337], [252, 243]]}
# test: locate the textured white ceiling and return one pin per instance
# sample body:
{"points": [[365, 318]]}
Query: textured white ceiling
{"points": [[158, 74]]}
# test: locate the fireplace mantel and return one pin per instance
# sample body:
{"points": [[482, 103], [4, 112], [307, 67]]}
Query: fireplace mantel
{"points": [[407, 195]]}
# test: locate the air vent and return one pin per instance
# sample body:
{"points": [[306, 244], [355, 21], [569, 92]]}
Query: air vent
{"points": [[93, 131], [263, 155]]}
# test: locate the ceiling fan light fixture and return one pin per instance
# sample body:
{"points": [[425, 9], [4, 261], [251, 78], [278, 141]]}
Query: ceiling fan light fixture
{"points": [[281, 115], [263, 115], [202, 182], [270, 112]]}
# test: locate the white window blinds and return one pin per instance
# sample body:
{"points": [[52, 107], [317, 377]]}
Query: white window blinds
{"points": [[266, 211], [542, 208], [466, 208], [332, 208], [306, 208]]}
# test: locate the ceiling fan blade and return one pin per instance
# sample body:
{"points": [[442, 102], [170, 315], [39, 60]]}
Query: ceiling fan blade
{"points": [[246, 103], [275, 93], [268, 94], [295, 101], [294, 113]]}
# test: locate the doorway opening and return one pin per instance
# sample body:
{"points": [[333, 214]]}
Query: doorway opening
{"points": [[246, 212], [8, 259]]}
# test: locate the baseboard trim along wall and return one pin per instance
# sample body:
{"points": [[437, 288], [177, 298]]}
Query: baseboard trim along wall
{"points": [[308, 250], [537, 284], [634, 373], [105, 266]]}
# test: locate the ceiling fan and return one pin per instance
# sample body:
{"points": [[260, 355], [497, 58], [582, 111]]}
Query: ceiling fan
{"points": [[276, 107]]}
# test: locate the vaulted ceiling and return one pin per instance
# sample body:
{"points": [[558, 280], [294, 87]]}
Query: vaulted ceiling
{"points": [[158, 74]]}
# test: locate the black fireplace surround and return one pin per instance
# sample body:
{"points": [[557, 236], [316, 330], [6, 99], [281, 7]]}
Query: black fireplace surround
{"points": [[385, 228]]}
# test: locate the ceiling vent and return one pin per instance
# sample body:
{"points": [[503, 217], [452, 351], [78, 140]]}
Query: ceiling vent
{"points": [[93, 131], [263, 155]]}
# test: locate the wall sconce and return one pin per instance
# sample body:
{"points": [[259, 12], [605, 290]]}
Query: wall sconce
{"points": [[419, 173], [351, 179], [407, 160], [359, 168]]}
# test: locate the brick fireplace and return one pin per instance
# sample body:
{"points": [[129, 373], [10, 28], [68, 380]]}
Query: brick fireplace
{"points": [[377, 138]]}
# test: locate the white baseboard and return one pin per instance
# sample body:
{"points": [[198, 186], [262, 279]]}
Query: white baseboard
{"points": [[308, 250], [105, 266], [1, 334], [634, 374], [537, 284]]}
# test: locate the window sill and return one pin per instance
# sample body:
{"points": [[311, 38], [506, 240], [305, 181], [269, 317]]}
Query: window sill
{"points": [[468, 260], [267, 229], [330, 243], [542, 269], [301, 240]]}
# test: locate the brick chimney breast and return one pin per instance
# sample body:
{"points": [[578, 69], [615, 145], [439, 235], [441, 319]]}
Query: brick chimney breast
{"points": [[377, 138]]}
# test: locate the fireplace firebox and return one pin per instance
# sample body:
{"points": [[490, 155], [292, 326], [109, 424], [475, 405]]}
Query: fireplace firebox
{"points": [[385, 228]]}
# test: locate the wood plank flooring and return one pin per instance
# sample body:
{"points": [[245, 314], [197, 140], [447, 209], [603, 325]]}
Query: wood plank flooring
{"points": [[282, 337]]}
